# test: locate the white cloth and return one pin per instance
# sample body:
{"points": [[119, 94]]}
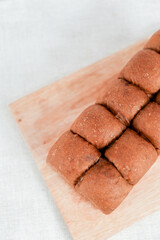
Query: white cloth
{"points": [[42, 41]]}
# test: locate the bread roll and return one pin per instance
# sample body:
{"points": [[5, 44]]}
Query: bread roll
{"points": [[98, 126], [143, 70], [123, 99], [71, 156], [132, 156], [147, 122], [104, 186]]}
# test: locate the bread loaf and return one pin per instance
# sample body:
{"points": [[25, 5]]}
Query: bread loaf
{"points": [[153, 42], [113, 143], [131, 155]]}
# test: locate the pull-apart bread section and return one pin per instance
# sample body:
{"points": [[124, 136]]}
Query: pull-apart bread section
{"points": [[154, 42], [104, 186], [71, 156], [143, 70], [113, 143], [98, 126], [132, 155], [147, 123], [123, 99]]}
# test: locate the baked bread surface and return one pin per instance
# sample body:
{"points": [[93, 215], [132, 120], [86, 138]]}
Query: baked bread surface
{"points": [[113, 143]]}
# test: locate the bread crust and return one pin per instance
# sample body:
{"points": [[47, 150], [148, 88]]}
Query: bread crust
{"points": [[98, 126], [71, 156], [132, 156], [147, 122], [104, 186], [154, 42], [158, 98], [143, 70], [123, 99], [127, 102]]}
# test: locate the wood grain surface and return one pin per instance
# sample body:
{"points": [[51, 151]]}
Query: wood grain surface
{"points": [[45, 114]]}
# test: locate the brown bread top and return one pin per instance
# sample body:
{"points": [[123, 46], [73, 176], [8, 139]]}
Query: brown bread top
{"points": [[106, 182], [98, 126], [104, 186], [123, 99], [143, 70], [154, 42], [147, 122], [132, 156], [71, 156]]}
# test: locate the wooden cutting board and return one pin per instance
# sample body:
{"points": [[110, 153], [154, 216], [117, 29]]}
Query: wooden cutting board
{"points": [[45, 114]]}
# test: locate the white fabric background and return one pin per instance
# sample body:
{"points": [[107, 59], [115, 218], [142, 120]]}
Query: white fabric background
{"points": [[40, 42]]}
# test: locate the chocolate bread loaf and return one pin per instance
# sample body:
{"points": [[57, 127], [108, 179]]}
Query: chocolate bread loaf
{"points": [[113, 143]]}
